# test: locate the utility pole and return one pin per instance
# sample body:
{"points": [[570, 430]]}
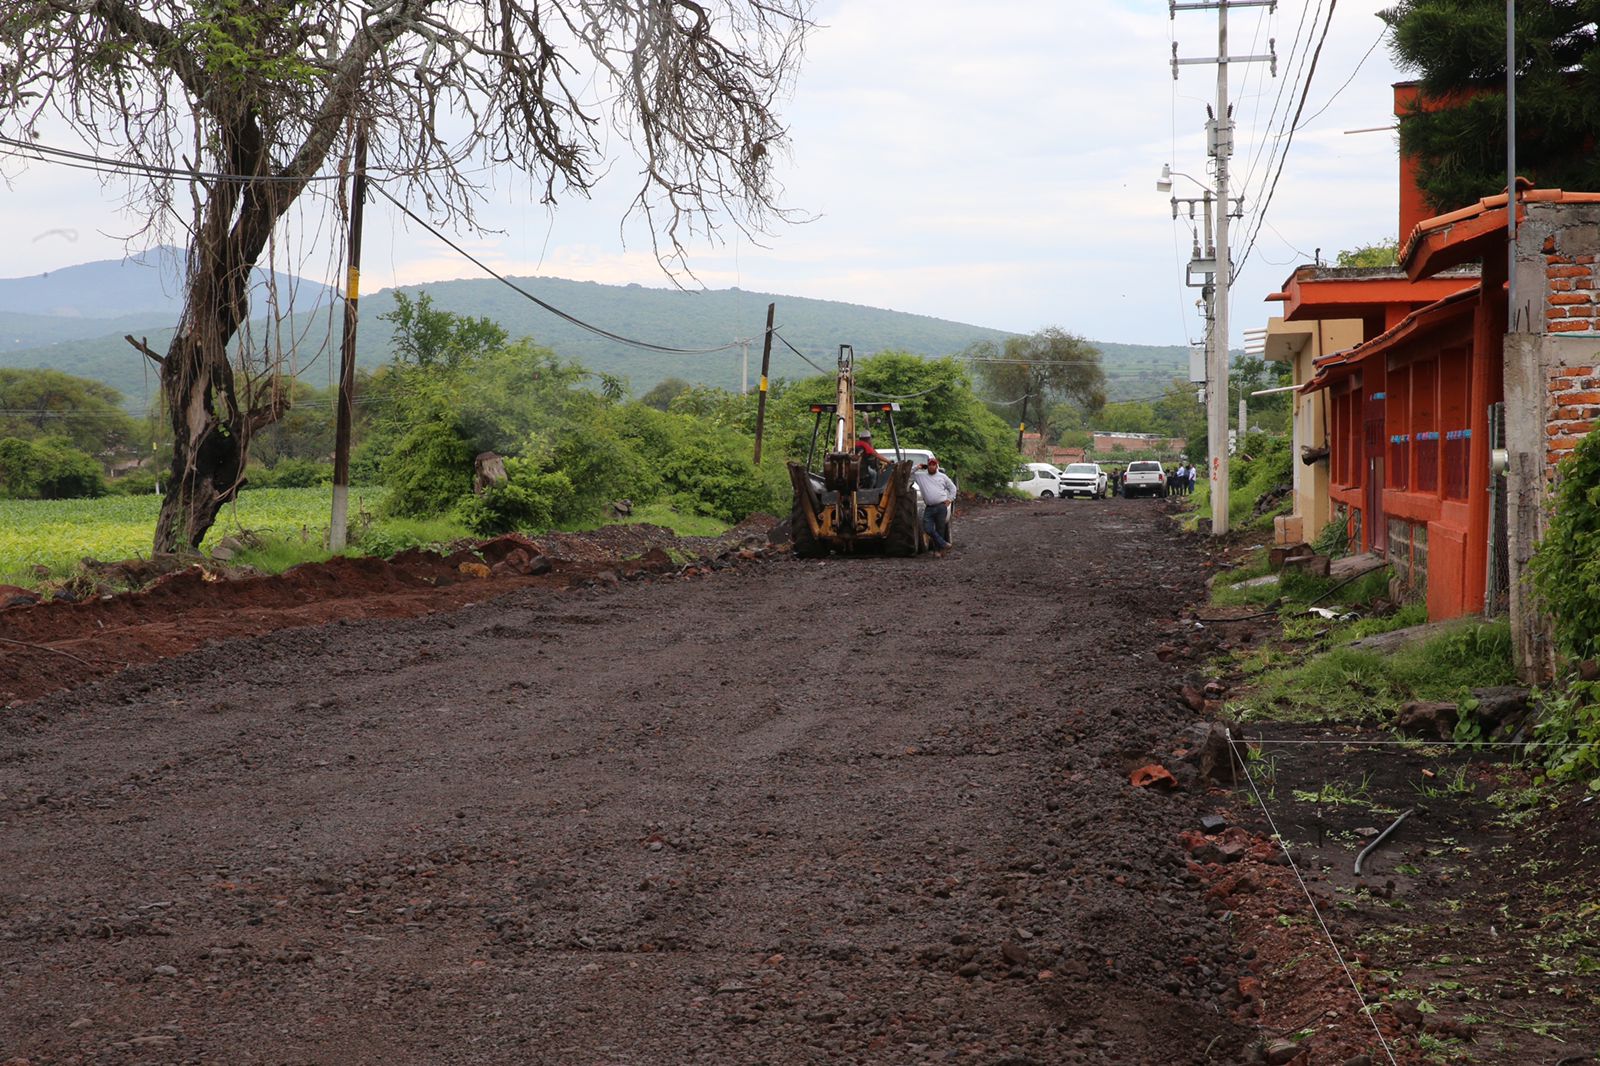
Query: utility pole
{"points": [[1219, 130], [761, 401], [337, 527]]}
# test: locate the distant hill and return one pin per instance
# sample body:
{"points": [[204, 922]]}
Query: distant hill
{"points": [[671, 317]]}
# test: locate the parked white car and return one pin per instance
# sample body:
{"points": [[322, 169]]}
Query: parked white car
{"points": [[1038, 479], [1144, 478], [1083, 479]]}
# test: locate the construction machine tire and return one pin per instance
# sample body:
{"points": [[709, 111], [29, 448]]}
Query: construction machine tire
{"points": [[806, 545], [905, 533]]}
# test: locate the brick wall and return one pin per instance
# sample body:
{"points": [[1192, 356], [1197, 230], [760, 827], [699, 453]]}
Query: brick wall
{"points": [[1572, 407], [1572, 284]]}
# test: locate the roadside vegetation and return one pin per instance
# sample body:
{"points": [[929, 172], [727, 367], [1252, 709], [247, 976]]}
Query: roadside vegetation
{"points": [[576, 452]]}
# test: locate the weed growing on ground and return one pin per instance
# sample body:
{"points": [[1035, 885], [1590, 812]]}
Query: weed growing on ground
{"points": [[1349, 684]]}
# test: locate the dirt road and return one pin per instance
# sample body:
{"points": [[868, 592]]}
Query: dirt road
{"points": [[831, 811]]}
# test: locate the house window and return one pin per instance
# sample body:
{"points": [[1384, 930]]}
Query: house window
{"points": [[1453, 392], [1424, 427], [1398, 422]]}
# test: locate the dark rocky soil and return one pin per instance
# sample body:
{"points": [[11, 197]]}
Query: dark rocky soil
{"points": [[833, 811]]}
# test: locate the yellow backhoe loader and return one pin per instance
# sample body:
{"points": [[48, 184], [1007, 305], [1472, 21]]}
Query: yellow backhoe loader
{"points": [[850, 505]]}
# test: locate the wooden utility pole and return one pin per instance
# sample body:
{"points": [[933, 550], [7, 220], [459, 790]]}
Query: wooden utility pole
{"points": [[347, 355], [766, 361]]}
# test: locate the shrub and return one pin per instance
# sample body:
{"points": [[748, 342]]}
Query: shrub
{"points": [[291, 474], [138, 483], [48, 469], [1566, 567], [429, 471], [529, 499]]}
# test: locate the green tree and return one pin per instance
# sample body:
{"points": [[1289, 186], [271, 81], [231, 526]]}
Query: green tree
{"points": [[1180, 414], [250, 102], [938, 410], [1041, 368], [1457, 130], [427, 338], [49, 468], [665, 391], [47, 403], [1129, 416], [1378, 254]]}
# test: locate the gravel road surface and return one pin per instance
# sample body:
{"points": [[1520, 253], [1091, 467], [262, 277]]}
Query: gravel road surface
{"points": [[871, 811]]}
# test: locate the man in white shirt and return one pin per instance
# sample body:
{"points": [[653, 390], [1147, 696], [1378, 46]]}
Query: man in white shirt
{"points": [[938, 493]]}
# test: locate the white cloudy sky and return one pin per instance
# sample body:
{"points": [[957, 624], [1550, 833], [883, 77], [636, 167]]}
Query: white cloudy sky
{"points": [[989, 163]]}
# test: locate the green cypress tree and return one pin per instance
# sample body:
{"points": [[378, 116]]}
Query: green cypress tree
{"points": [[1458, 50]]}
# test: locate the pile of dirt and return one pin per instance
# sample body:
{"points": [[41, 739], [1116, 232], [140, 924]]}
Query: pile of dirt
{"points": [[47, 646]]}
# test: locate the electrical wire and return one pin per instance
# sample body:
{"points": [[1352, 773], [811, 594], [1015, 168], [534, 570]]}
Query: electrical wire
{"points": [[1294, 124], [564, 316], [1283, 846], [797, 351], [1363, 62], [43, 153]]}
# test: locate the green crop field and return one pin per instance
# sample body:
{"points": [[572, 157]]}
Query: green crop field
{"points": [[58, 533]]}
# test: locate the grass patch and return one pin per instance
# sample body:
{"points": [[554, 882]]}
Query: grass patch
{"points": [[44, 540], [682, 523], [1346, 684], [390, 536]]}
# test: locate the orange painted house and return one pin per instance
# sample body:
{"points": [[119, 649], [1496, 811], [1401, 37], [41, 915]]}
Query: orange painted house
{"points": [[1457, 365]]}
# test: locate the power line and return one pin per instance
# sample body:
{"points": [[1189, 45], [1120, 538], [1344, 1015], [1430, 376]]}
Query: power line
{"points": [[1261, 213], [798, 352], [1336, 93], [574, 320], [44, 153]]}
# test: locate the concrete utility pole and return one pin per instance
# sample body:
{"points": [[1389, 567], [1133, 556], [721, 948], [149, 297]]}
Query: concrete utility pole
{"points": [[1220, 137]]}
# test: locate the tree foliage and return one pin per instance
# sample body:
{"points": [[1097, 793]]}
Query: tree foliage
{"points": [[1378, 254], [250, 101], [1566, 567], [1039, 369], [48, 468], [1458, 129], [938, 410], [47, 403]]}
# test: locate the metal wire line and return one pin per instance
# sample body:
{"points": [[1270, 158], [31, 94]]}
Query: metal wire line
{"points": [[573, 319], [1294, 125], [1310, 899], [798, 352], [87, 161]]}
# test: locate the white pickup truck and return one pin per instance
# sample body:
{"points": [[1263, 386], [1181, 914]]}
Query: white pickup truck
{"points": [[1144, 477]]}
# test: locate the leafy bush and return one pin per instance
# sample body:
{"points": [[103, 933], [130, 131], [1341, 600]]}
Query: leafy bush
{"points": [[138, 483], [291, 474], [1566, 567], [429, 471], [48, 469], [529, 499], [391, 536], [1568, 732]]}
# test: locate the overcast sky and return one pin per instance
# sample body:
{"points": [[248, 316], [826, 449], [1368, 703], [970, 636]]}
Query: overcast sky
{"points": [[992, 164]]}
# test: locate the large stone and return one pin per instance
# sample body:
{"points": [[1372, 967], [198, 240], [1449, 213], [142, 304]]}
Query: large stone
{"points": [[12, 596], [1434, 719], [1498, 703]]}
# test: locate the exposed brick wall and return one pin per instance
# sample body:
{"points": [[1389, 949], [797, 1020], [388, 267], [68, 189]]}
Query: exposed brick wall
{"points": [[1571, 411], [1572, 285]]}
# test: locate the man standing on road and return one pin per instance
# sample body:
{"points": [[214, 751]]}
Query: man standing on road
{"points": [[938, 493]]}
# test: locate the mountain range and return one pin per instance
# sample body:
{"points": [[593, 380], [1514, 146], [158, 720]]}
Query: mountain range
{"points": [[75, 320]]}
